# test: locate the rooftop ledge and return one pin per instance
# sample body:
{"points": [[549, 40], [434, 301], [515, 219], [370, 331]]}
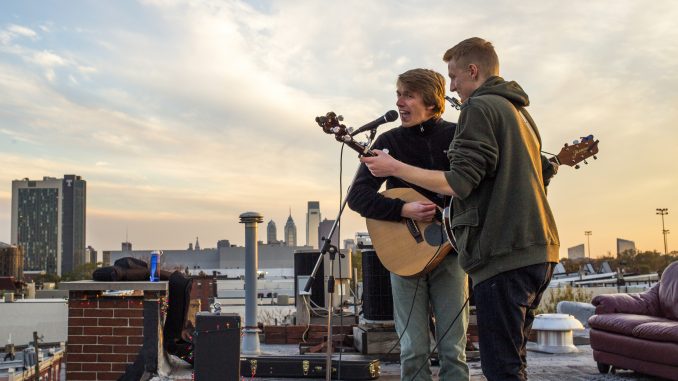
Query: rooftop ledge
{"points": [[90, 285]]}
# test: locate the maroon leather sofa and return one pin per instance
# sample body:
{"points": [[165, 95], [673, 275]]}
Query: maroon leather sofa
{"points": [[638, 331]]}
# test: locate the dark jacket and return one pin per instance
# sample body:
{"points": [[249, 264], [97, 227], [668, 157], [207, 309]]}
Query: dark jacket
{"points": [[502, 220], [424, 146]]}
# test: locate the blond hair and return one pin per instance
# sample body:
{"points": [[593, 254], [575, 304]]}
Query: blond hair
{"points": [[476, 51]]}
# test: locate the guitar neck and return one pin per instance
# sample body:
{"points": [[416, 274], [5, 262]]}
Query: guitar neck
{"points": [[554, 159], [363, 151]]}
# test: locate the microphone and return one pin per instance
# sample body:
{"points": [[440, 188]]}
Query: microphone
{"points": [[388, 117]]}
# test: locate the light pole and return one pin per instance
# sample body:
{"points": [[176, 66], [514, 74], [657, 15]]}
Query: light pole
{"points": [[588, 241], [662, 212]]}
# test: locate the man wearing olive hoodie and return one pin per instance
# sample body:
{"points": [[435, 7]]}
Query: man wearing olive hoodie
{"points": [[506, 234]]}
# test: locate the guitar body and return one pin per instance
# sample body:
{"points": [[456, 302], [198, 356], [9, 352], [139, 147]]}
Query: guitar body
{"points": [[408, 248]]}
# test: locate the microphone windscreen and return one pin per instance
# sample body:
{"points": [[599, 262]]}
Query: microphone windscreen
{"points": [[391, 115]]}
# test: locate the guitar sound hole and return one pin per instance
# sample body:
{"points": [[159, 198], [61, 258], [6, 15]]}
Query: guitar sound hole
{"points": [[433, 234]]}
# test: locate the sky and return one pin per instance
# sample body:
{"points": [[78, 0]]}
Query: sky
{"points": [[181, 115]]}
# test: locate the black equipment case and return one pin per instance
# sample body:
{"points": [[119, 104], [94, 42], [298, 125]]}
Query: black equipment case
{"points": [[216, 347], [310, 366]]}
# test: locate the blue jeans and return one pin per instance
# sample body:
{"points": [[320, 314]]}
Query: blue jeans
{"points": [[445, 289], [505, 307]]}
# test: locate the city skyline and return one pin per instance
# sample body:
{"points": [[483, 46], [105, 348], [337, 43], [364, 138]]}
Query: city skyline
{"points": [[182, 116]]}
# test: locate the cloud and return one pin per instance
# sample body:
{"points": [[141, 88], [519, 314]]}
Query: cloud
{"points": [[207, 108], [48, 59], [13, 31]]}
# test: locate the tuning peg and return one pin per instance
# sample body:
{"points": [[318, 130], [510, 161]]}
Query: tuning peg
{"points": [[566, 144], [340, 118], [575, 142], [586, 162], [350, 130], [576, 166], [595, 157]]}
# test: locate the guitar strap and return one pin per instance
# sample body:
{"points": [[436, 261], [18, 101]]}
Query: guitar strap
{"points": [[530, 122]]}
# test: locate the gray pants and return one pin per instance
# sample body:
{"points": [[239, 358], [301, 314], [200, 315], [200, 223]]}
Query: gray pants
{"points": [[445, 289]]}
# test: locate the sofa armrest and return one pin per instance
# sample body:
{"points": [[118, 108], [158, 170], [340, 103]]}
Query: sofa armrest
{"points": [[643, 303]]}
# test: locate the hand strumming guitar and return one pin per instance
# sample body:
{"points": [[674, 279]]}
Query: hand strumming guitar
{"points": [[419, 210]]}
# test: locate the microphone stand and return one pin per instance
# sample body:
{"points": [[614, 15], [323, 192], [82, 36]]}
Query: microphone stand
{"points": [[332, 251]]}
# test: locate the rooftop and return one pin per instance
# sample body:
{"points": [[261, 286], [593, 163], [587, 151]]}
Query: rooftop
{"points": [[541, 367]]}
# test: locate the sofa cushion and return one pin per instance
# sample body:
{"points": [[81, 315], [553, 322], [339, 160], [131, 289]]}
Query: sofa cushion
{"points": [[621, 323], [658, 331], [668, 292]]}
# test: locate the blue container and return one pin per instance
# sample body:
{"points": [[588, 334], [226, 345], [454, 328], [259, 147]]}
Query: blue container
{"points": [[155, 259]]}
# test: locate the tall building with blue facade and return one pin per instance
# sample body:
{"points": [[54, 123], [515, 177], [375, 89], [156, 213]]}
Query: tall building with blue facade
{"points": [[48, 222]]}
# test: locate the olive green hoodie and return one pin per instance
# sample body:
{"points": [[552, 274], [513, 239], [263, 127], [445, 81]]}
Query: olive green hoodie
{"points": [[502, 220]]}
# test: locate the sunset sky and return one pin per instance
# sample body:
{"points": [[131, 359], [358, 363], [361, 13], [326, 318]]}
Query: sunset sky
{"points": [[183, 115]]}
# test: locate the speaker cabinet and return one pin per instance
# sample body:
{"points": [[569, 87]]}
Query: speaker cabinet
{"points": [[216, 347]]}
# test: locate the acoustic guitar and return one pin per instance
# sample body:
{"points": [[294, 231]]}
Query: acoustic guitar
{"points": [[407, 248]]}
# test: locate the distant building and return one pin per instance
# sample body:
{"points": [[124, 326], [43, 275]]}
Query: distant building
{"points": [[625, 245], [290, 232], [127, 246], [91, 255], [106, 257], [11, 261], [324, 229], [576, 252], [349, 244], [223, 243], [363, 239], [197, 244], [312, 223], [232, 257], [271, 233], [48, 222]]}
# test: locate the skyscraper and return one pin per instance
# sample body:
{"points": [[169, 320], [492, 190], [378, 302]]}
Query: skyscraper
{"points": [[271, 233], [324, 229], [290, 232], [312, 223], [48, 221]]}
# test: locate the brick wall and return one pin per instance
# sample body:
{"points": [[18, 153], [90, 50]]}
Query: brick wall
{"points": [[105, 334]]}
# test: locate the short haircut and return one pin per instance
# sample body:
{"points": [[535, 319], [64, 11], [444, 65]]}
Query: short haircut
{"points": [[476, 51], [428, 83]]}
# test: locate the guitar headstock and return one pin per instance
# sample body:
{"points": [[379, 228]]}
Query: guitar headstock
{"points": [[331, 124], [578, 151]]}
